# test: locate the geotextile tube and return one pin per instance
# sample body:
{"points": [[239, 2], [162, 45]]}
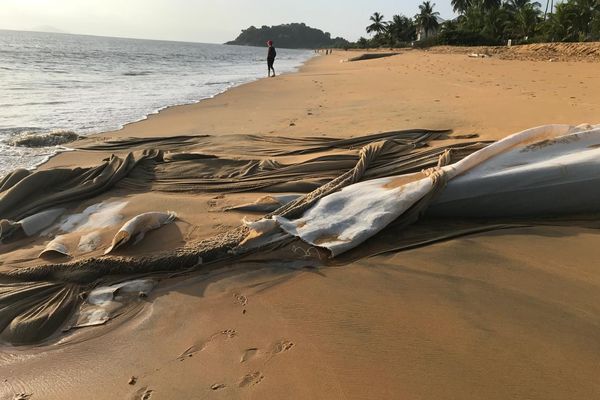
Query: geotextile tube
{"points": [[363, 196], [35, 302]]}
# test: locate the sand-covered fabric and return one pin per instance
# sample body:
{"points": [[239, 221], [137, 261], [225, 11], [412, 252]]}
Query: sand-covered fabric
{"points": [[361, 188], [24, 193], [192, 163], [328, 164], [529, 174]]}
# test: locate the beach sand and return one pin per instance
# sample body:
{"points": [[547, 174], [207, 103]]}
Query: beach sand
{"points": [[501, 315]]}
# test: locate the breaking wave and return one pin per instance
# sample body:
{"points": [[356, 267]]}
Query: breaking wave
{"points": [[31, 139]]}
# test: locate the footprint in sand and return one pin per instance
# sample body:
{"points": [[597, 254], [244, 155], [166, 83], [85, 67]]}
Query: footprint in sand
{"points": [[248, 354], [227, 334], [240, 298], [218, 386], [282, 346], [230, 333], [279, 347], [143, 394], [251, 379]]}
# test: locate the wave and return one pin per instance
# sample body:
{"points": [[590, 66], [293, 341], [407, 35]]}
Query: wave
{"points": [[32, 139], [19, 130], [137, 73], [55, 71], [41, 103]]}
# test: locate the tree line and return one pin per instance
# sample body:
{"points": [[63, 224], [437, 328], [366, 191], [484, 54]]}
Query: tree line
{"points": [[291, 36], [489, 22]]}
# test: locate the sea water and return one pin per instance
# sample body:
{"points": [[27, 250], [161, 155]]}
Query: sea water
{"points": [[54, 87]]}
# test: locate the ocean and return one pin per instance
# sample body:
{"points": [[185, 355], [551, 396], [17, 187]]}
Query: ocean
{"points": [[54, 87]]}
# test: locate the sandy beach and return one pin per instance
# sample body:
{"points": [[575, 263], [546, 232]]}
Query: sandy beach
{"points": [[508, 314]]}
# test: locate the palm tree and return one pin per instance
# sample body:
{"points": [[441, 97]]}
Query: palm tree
{"points": [[524, 16], [491, 4], [574, 20], [496, 23], [378, 26], [514, 5], [426, 19], [526, 20], [561, 23], [587, 12], [461, 6], [474, 18], [401, 30]]}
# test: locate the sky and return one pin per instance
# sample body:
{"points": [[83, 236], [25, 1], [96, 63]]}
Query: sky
{"points": [[207, 21]]}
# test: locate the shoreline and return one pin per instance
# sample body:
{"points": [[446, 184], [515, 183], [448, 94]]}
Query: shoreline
{"points": [[415, 89], [330, 65], [165, 108], [121, 132]]}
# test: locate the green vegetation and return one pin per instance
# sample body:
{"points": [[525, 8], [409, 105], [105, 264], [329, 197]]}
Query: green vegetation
{"points": [[427, 19], [291, 36], [479, 23], [398, 32], [490, 22]]}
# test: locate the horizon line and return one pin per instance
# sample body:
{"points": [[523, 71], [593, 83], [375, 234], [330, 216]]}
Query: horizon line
{"points": [[107, 36]]}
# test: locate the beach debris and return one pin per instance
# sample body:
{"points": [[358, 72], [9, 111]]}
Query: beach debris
{"points": [[97, 216], [260, 226], [533, 168], [37, 222], [103, 302], [89, 242], [478, 55], [56, 248], [101, 296], [218, 386], [261, 233], [132, 380], [138, 226], [29, 226], [341, 220], [530, 174], [266, 203], [92, 317], [10, 230]]}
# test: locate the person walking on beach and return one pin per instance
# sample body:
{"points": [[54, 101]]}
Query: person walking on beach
{"points": [[271, 57]]}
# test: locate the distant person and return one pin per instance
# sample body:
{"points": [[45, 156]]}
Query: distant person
{"points": [[271, 57]]}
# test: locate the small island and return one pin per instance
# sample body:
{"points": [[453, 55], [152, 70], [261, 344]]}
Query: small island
{"points": [[291, 36]]}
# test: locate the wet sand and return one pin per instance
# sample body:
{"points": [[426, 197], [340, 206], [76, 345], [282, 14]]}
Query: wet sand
{"points": [[416, 89], [508, 314]]}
